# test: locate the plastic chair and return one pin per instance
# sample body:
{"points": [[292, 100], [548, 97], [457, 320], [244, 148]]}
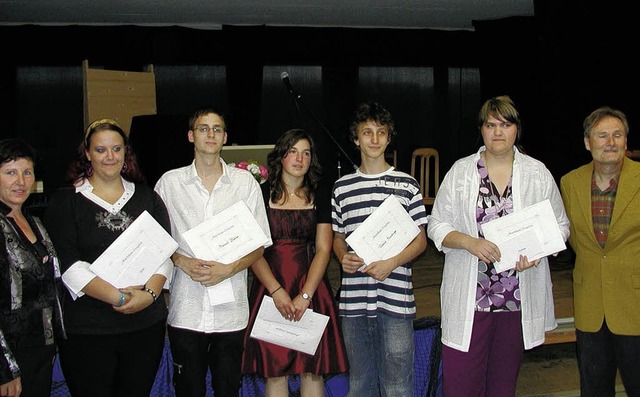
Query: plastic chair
{"points": [[423, 157]]}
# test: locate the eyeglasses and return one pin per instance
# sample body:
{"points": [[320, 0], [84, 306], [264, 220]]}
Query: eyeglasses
{"points": [[204, 129]]}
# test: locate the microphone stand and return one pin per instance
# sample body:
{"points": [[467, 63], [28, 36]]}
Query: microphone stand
{"points": [[298, 100]]}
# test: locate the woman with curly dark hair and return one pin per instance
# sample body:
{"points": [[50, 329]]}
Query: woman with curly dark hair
{"points": [[293, 269]]}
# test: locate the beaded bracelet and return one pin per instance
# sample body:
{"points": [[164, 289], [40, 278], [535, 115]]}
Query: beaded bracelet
{"points": [[275, 290], [153, 294], [123, 298]]}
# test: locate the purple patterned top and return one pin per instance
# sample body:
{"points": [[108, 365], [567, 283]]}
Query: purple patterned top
{"points": [[495, 291]]}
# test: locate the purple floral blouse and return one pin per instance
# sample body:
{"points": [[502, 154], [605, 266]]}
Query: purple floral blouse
{"points": [[495, 291]]}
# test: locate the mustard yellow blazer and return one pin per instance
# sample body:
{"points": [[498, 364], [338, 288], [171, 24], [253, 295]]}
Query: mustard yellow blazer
{"points": [[606, 281]]}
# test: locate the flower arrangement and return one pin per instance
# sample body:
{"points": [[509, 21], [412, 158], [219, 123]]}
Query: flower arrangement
{"points": [[256, 169]]}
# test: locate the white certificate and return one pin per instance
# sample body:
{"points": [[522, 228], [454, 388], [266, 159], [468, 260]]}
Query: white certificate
{"points": [[385, 233], [136, 254], [225, 237], [303, 335], [533, 231]]}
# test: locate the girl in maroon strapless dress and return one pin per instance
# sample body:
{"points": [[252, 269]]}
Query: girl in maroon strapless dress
{"points": [[293, 269]]}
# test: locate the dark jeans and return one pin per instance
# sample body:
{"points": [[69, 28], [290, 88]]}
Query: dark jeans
{"points": [[600, 354], [113, 365], [195, 352]]}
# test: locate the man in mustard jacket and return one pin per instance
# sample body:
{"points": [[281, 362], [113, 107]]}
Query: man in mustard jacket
{"points": [[602, 200]]}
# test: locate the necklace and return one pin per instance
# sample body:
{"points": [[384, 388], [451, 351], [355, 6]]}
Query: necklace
{"points": [[292, 192]]}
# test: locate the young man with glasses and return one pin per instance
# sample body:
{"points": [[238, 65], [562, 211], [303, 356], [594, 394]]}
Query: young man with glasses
{"points": [[204, 336]]}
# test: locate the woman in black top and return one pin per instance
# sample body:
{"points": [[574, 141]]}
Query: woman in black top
{"points": [[29, 305], [115, 335]]}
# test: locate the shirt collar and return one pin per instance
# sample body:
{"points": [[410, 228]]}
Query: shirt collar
{"points": [[192, 174], [516, 153], [85, 186], [86, 189]]}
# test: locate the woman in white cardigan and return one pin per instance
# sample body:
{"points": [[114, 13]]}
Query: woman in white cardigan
{"points": [[490, 317]]}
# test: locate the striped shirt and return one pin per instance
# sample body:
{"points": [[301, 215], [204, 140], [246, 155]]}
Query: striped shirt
{"points": [[602, 208], [355, 197]]}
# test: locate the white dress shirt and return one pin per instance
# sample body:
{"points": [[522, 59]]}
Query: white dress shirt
{"points": [[189, 203]]}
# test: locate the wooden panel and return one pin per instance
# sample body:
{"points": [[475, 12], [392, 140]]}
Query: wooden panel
{"points": [[119, 95], [566, 332]]}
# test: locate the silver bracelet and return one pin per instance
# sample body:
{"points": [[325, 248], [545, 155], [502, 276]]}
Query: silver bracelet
{"points": [[123, 298]]}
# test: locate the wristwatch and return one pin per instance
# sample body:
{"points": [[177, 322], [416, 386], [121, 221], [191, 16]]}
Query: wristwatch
{"points": [[305, 296]]}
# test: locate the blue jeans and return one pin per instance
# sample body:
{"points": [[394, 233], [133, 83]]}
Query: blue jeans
{"points": [[600, 355], [380, 352]]}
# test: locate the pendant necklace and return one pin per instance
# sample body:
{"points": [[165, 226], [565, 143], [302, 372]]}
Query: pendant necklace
{"points": [[291, 192]]}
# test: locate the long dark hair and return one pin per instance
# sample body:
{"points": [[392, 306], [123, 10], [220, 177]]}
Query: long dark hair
{"points": [[81, 168], [274, 164]]}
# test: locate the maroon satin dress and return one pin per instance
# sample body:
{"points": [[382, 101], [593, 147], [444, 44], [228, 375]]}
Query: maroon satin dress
{"points": [[293, 234]]}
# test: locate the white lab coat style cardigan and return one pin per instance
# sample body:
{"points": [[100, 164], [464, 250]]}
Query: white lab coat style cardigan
{"points": [[455, 210]]}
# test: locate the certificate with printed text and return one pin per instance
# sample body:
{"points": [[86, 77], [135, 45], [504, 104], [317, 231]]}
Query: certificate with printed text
{"points": [[385, 233], [225, 237], [532, 232], [303, 335], [136, 254]]}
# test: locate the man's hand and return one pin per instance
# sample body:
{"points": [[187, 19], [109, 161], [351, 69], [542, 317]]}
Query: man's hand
{"points": [[187, 264], [351, 262], [210, 273], [380, 270]]}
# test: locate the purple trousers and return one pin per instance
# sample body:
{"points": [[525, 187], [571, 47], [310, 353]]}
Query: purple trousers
{"points": [[492, 364]]}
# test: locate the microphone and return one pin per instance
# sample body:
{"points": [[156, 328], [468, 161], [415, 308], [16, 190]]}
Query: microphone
{"points": [[285, 78]]}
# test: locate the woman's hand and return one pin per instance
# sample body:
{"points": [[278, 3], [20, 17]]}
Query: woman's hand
{"points": [[524, 264], [485, 250], [136, 299], [301, 306], [11, 389], [284, 304]]}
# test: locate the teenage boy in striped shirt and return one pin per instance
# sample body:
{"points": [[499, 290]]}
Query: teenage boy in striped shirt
{"points": [[376, 303]]}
